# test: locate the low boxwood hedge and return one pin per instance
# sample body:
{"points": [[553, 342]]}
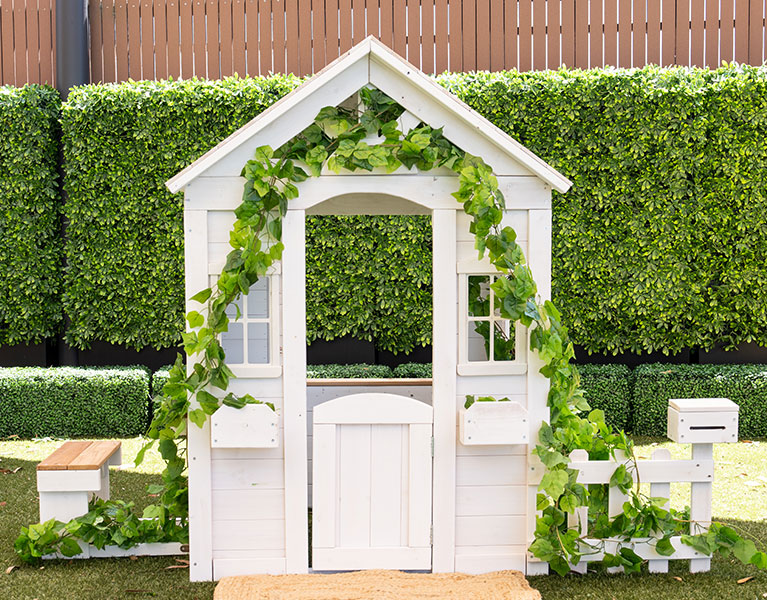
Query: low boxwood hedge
{"points": [[608, 388], [413, 370], [360, 371], [159, 379], [746, 385], [74, 402]]}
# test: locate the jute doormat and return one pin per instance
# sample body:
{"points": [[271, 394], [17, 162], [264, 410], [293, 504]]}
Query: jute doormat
{"points": [[378, 585]]}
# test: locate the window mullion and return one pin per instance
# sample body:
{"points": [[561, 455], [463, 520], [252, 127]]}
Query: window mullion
{"points": [[245, 328]]}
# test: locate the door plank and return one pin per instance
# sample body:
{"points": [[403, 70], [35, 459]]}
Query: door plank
{"points": [[354, 487], [420, 486], [386, 494]]}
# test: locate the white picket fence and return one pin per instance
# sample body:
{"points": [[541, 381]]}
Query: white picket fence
{"points": [[660, 471]]}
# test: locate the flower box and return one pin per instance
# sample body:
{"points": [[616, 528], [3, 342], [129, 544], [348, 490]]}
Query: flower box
{"points": [[493, 423], [253, 426]]}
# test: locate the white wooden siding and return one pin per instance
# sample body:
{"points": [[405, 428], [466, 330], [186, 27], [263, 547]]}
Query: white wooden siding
{"points": [[491, 494]]}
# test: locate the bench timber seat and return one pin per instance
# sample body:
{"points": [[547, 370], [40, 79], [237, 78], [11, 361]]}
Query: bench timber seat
{"points": [[72, 474]]}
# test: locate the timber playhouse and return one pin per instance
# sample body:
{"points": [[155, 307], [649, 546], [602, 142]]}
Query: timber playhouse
{"points": [[499, 465]]}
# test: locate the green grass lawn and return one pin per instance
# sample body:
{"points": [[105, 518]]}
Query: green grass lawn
{"points": [[740, 498]]}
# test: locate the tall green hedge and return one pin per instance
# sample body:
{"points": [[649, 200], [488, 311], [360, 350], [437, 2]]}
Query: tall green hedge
{"points": [[369, 277], [746, 385], [74, 402], [657, 246], [124, 247], [30, 245]]}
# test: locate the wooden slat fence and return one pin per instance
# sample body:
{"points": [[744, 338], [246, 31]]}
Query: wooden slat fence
{"points": [[156, 39], [27, 41]]}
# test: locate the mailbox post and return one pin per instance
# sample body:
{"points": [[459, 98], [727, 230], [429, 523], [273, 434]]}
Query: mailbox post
{"points": [[702, 422]]}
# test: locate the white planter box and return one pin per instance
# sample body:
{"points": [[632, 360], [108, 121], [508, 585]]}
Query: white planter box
{"points": [[493, 423], [253, 426], [702, 420]]}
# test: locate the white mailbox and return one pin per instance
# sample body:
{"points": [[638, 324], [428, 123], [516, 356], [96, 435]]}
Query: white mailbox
{"points": [[253, 426], [493, 423], [702, 420]]}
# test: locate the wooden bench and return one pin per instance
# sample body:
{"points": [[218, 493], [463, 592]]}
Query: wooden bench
{"points": [[68, 478]]}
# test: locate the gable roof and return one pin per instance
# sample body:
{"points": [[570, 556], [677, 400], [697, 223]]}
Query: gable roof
{"points": [[371, 62]]}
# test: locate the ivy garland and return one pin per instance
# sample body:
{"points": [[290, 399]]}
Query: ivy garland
{"points": [[336, 139]]}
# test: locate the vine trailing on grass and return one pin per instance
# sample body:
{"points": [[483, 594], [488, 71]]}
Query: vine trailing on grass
{"points": [[337, 139]]}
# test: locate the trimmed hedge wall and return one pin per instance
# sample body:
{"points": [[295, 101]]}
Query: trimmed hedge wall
{"points": [[124, 247], [746, 385], [609, 388], [30, 244], [659, 244], [74, 402], [369, 277]]}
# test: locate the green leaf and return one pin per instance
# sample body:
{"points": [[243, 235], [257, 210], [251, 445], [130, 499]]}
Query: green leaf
{"points": [[542, 549], [195, 319], [153, 511], [167, 449], [554, 482], [664, 547], [264, 154], [208, 402], [202, 296], [197, 417], [744, 550], [69, 547], [759, 559]]}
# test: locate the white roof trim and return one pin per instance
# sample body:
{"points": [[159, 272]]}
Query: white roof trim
{"points": [[375, 50]]}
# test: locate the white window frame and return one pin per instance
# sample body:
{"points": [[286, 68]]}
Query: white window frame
{"points": [[518, 366], [274, 367]]}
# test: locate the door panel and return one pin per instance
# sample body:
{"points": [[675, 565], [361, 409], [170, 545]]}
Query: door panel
{"points": [[372, 483]]}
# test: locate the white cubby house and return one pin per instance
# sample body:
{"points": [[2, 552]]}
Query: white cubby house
{"points": [[395, 478]]}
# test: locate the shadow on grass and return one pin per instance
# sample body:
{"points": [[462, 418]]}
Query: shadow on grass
{"points": [[94, 579]]}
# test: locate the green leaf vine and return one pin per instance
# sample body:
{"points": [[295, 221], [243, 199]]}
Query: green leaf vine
{"points": [[337, 140]]}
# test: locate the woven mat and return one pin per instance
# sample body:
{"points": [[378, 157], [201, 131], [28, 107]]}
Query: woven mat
{"points": [[378, 585]]}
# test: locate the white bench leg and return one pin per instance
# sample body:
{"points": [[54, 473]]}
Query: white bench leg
{"points": [[63, 506], [103, 492]]}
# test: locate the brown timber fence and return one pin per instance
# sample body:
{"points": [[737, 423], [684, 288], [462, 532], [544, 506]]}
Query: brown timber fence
{"points": [[156, 39]]}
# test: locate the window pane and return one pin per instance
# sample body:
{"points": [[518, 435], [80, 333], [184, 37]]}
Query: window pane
{"points": [[479, 295], [231, 342], [496, 302], [503, 342], [258, 299], [477, 341], [258, 343], [231, 311]]}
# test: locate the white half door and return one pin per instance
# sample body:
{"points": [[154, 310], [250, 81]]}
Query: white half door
{"points": [[372, 483]]}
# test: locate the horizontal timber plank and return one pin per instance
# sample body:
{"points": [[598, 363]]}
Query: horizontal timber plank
{"points": [[80, 456], [59, 460], [650, 471]]}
